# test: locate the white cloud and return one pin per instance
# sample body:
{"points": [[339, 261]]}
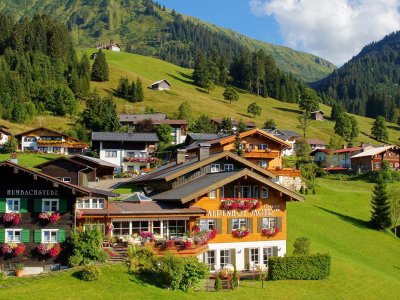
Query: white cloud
{"points": [[333, 29]]}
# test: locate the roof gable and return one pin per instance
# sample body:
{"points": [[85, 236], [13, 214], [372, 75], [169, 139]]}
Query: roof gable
{"points": [[49, 162], [45, 129]]}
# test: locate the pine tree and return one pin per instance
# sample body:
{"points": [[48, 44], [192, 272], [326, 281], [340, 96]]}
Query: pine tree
{"points": [[100, 67], [241, 126], [139, 93], [379, 130], [380, 204], [238, 145], [124, 89]]}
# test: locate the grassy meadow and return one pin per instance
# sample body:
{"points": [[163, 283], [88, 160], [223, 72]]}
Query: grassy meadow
{"points": [[365, 263], [151, 69], [30, 159]]}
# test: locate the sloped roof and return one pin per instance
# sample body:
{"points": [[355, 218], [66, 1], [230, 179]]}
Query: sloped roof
{"points": [[282, 134], [159, 81], [136, 118], [206, 183], [348, 150], [5, 130], [205, 136], [44, 128], [318, 111], [98, 161], [315, 142], [315, 151], [374, 151], [124, 136], [49, 162], [172, 170]]}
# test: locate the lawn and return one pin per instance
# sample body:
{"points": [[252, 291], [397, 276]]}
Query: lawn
{"points": [[365, 263], [127, 188], [30, 159]]}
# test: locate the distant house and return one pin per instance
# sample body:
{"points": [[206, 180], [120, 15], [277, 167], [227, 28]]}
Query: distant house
{"points": [[342, 157], [179, 127], [316, 144], [249, 125], [111, 46], [161, 85], [317, 115], [193, 139], [286, 135], [320, 156], [5, 135], [371, 160], [49, 141], [129, 151]]}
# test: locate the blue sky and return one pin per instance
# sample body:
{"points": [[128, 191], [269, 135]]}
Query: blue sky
{"points": [[232, 14], [333, 29]]}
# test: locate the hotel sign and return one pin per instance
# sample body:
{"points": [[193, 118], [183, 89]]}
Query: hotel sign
{"points": [[28, 192], [264, 211]]}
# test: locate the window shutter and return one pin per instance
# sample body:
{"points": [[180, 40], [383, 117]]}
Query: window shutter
{"points": [[2, 235], [25, 236], [246, 258], [233, 256], [274, 251], [230, 225], [259, 225], [2, 205], [24, 205], [37, 205], [61, 235], [37, 236], [218, 223], [62, 205], [250, 224], [279, 223]]}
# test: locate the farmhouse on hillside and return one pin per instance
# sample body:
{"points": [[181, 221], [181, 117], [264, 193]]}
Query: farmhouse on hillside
{"points": [[371, 160], [111, 46], [316, 144], [5, 135], [286, 135], [161, 85]]}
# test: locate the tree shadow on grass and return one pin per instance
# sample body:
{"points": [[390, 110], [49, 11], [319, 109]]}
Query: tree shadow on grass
{"points": [[365, 134], [180, 79], [187, 76], [201, 90], [244, 115], [296, 111], [354, 221], [215, 99], [393, 127]]}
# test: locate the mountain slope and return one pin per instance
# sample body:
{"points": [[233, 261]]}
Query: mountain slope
{"points": [[369, 83], [146, 28]]}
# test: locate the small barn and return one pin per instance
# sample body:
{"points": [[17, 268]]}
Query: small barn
{"points": [[161, 85], [317, 115]]}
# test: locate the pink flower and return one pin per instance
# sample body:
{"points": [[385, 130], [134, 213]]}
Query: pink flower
{"points": [[55, 251], [187, 245], [196, 229], [19, 250], [54, 217]]}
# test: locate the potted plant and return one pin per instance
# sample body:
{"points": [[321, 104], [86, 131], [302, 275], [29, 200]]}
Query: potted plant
{"points": [[19, 269]]}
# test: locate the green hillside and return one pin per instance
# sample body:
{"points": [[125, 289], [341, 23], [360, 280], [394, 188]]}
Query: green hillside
{"points": [[142, 27], [213, 104], [365, 263]]}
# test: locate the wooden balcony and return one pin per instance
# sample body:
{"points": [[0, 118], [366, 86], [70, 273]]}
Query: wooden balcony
{"points": [[260, 154], [286, 172], [194, 250], [65, 144]]}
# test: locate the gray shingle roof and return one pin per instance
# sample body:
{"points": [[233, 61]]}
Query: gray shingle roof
{"points": [[95, 160], [205, 136], [282, 134], [124, 136]]}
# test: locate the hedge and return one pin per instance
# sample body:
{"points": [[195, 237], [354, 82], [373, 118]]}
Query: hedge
{"points": [[314, 267]]}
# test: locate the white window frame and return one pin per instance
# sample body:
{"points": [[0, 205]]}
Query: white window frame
{"points": [[14, 200], [228, 167], [236, 188], [263, 146], [215, 168], [66, 179], [51, 200], [264, 193], [213, 194], [256, 192], [254, 253], [88, 203], [222, 192], [13, 240], [269, 222], [267, 252], [207, 224], [51, 231], [241, 222], [247, 187], [210, 260], [108, 152], [227, 257], [251, 146]]}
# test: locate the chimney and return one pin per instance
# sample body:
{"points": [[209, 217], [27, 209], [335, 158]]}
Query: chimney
{"points": [[344, 146], [204, 151], [181, 156], [14, 158]]}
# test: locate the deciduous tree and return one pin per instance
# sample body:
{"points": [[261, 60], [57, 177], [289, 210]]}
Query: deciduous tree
{"points": [[379, 130], [230, 94], [254, 109]]}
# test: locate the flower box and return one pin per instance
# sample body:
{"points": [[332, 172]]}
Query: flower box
{"points": [[16, 249], [51, 249], [240, 204], [240, 233], [12, 218], [270, 232], [51, 217]]}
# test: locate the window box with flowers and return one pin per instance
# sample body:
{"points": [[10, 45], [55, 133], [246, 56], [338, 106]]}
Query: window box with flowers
{"points": [[12, 218], [51, 217], [270, 232], [50, 249], [240, 232], [13, 249], [240, 203]]}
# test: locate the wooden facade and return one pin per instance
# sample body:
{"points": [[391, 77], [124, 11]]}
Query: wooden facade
{"points": [[371, 160]]}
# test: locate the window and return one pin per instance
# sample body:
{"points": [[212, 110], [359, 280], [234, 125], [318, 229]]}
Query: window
{"points": [[13, 235], [50, 205], [176, 227], [67, 179], [264, 193], [262, 146], [263, 163], [13, 205], [30, 139], [228, 167], [213, 194], [254, 255], [121, 228], [215, 168], [222, 192], [49, 235], [111, 153], [255, 192], [239, 223], [139, 226], [224, 258], [43, 149], [267, 253], [251, 146], [377, 165], [210, 259], [268, 222], [130, 154], [207, 224], [157, 227], [56, 149], [246, 191], [95, 203]]}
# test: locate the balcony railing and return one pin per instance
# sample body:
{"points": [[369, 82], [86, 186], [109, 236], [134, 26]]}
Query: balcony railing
{"points": [[267, 153], [177, 247], [141, 159], [66, 144]]}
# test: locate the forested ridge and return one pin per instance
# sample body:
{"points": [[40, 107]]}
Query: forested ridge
{"points": [[39, 69], [368, 84], [147, 28]]}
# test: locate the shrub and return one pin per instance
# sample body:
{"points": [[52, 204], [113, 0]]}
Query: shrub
{"points": [[141, 259], [312, 267], [90, 273], [103, 256], [87, 245], [193, 273], [302, 190], [169, 269], [218, 284], [301, 246], [235, 279], [3, 275], [75, 260]]}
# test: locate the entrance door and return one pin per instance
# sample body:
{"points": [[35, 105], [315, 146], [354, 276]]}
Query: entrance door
{"points": [[209, 259]]}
